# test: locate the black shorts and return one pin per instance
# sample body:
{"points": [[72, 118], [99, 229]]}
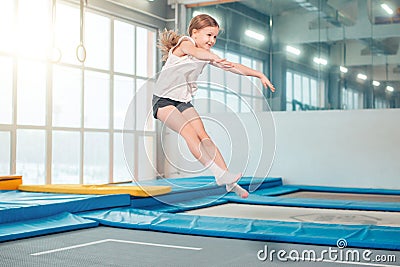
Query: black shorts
{"points": [[160, 102]]}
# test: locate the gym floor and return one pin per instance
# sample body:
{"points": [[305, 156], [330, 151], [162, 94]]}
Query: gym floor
{"points": [[107, 246]]}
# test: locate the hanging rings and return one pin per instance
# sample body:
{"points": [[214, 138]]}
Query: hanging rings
{"points": [[55, 54], [81, 52], [80, 49]]}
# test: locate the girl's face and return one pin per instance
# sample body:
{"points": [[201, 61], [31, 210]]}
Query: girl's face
{"points": [[206, 37]]}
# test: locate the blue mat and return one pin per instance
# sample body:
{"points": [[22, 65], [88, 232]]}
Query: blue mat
{"points": [[187, 189], [332, 189], [276, 190], [205, 182], [360, 236], [317, 203], [19, 206], [48, 225]]}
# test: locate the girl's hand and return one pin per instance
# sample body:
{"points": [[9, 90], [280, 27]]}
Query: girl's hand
{"points": [[267, 83]]}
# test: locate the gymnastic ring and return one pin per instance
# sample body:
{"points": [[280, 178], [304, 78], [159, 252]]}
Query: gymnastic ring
{"points": [[81, 48]]}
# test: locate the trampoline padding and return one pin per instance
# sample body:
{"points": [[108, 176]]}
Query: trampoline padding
{"points": [[49, 225], [344, 196], [187, 189], [20, 206], [381, 191], [181, 206], [362, 236], [316, 203], [206, 182], [276, 191]]}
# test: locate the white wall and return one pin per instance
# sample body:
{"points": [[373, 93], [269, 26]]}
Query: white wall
{"points": [[339, 148], [332, 148]]}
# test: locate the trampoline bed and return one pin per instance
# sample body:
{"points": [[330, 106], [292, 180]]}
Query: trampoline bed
{"points": [[194, 209], [294, 214]]}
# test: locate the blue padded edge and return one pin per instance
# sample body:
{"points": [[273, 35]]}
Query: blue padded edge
{"points": [[54, 224], [317, 203], [198, 187], [19, 206], [379, 191], [203, 182], [276, 191], [177, 197], [189, 205], [362, 236]]}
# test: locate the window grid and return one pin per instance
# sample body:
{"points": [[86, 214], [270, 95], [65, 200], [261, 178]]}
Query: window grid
{"points": [[303, 92], [19, 132], [352, 99], [381, 103]]}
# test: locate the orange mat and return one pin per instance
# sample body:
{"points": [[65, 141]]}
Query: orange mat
{"points": [[138, 191], [10, 182]]}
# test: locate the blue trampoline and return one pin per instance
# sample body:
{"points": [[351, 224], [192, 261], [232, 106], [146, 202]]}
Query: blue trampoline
{"points": [[175, 212]]}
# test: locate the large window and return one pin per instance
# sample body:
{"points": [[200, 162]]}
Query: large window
{"points": [[224, 91], [381, 103], [63, 120], [352, 99], [303, 92]]}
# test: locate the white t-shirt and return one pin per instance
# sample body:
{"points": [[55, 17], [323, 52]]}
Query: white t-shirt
{"points": [[178, 76]]}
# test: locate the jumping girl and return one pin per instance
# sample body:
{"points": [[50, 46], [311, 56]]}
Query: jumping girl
{"points": [[185, 57]]}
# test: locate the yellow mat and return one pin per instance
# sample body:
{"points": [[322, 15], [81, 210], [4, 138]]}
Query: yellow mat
{"points": [[10, 182], [137, 191]]}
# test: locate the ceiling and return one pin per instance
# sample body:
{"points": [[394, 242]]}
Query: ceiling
{"points": [[273, 8], [280, 7]]}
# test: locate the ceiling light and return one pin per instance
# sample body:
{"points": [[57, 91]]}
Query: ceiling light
{"points": [[362, 76], [293, 50], [343, 69], [387, 9], [389, 88], [321, 61], [255, 35], [376, 83]]}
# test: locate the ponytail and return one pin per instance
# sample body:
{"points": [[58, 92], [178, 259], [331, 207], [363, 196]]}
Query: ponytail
{"points": [[166, 41]]}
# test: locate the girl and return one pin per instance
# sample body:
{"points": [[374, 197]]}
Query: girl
{"points": [[185, 57]]}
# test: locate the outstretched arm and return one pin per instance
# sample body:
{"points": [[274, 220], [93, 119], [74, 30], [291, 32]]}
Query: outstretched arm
{"points": [[243, 70], [188, 48]]}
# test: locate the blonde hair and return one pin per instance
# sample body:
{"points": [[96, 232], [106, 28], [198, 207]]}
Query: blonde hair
{"points": [[169, 38]]}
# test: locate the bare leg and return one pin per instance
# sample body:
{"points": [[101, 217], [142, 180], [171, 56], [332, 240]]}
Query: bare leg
{"points": [[175, 120], [194, 119]]}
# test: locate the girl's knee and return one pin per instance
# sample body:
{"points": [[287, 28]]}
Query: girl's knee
{"points": [[189, 134], [204, 137]]}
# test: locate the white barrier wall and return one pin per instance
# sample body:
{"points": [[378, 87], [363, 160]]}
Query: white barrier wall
{"points": [[339, 148], [358, 148]]}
